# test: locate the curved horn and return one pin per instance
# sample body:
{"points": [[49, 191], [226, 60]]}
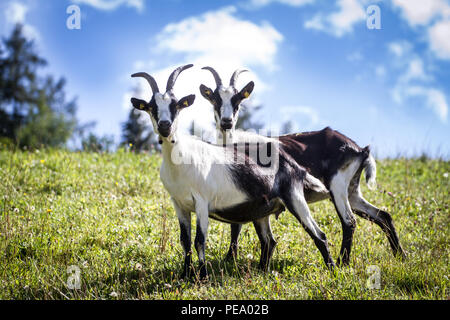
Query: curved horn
{"points": [[173, 77], [215, 74], [150, 80], [235, 76]]}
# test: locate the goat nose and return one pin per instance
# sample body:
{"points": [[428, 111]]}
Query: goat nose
{"points": [[227, 120], [164, 124]]}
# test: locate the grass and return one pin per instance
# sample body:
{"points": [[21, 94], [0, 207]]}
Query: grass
{"points": [[110, 217]]}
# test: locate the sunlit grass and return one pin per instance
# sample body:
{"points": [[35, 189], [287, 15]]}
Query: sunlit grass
{"points": [[109, 215]]}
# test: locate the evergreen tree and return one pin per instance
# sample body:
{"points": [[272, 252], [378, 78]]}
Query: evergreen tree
{"points": [[245, 121], [287, 127], [33, 110], [137, 134]]}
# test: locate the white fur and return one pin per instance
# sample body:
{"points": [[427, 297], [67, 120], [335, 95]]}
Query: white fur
{"points": [[339, 187], [226, 109], [201, 175], [371, 172], [163, 102], [301, 210]]}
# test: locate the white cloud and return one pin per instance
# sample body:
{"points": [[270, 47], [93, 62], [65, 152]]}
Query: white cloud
{"points": [[414, 80], [419, 12], [294, 3], [434, 99], [355, 56], [316, 23], [340, 22], [16, 12], [220, 36], [439, 38], [112, 4], [400, 48], [434, 15], [380, 71], [219, 39], [414, 71], [309, 117]]}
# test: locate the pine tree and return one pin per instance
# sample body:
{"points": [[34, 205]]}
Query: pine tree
{"points": [[33, 110], [245, 121], [138, 135], [287, 127]]}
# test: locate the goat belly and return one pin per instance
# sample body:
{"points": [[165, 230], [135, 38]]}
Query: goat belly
{"points": [[248, 211]]}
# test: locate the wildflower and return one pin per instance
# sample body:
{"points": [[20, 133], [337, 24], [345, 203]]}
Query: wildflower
{"points": [[130, 145], [42, 160], [446, 175], [114, 294], [138, 266], [49, 210], [16, 210]]}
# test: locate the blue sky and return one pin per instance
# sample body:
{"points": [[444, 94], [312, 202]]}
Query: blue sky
{"points": [[314, 62]]}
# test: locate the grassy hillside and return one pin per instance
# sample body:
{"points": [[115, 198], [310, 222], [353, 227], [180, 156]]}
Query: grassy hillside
{"points": [[110, 217]]}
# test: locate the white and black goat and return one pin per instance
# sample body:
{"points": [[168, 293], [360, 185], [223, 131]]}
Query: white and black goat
{"points": [[220, 182], [334, 159]]}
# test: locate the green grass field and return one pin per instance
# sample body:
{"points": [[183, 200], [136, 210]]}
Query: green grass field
{"points": [[110, 217]]}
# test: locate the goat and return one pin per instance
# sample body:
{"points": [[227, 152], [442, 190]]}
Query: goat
{"points": [[329, 156], [221, 182]]}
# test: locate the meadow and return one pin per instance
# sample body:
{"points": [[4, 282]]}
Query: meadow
{"points": [[107, 220]]}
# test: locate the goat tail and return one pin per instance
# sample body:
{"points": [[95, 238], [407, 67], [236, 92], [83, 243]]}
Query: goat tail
{"points": [[370, 169]]}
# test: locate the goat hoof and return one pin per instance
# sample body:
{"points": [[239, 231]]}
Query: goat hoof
{"points": [[343, 262], [203, 275], [187, 273], [400, 254], [264, 267], [331, 266], [231, 256]]}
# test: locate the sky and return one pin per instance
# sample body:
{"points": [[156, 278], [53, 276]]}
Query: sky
{"points": [[314, 62]]}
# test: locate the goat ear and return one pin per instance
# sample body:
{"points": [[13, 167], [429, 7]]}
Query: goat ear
{"points": [[186, 101], [247, 91], [139, 104], [206, 92]]}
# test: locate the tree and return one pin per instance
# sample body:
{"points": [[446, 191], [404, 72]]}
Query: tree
{"points": [[137, 134], [287, 127], [33, 109], [245, 121], [94, 143]]}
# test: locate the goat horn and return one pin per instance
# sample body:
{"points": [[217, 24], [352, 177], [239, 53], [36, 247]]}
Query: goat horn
{"points": [[173, 77], [235, 76], [215, 74], [150, 80]]}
